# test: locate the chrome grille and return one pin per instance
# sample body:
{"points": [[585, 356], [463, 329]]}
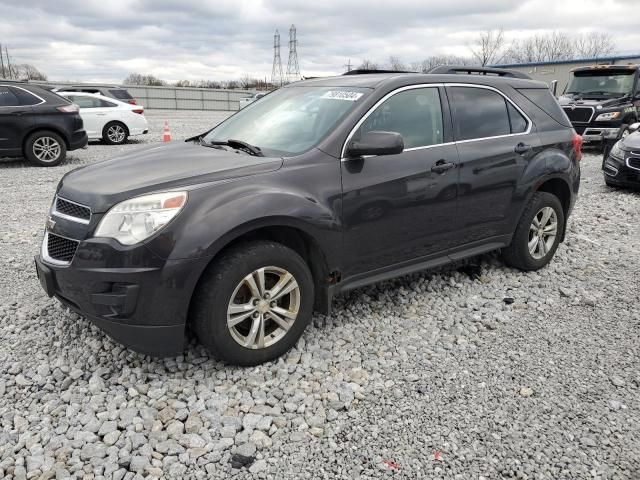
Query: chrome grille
{"points": [[60, 248], [579, 114], [72, 211], [633, 162]]}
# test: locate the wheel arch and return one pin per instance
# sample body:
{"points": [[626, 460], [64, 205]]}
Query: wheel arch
{"points": [[560, 188], [286, 233]]}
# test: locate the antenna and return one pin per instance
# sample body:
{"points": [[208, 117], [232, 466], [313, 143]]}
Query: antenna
{"points": [[276, 72], [293, 69]]}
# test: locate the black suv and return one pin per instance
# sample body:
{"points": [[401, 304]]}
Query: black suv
{"points": [[322, 186], [38, 124]]}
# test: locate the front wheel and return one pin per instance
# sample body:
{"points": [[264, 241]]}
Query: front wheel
{"points": [[537, 234], [253, 303]]}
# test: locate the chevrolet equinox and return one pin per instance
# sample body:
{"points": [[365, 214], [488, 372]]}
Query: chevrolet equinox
{"points": [[322, 186]]}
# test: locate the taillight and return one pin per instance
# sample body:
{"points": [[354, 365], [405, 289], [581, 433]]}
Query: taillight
{"points": [[73, 108], [138, 110], [577, 146], [132, 102]]}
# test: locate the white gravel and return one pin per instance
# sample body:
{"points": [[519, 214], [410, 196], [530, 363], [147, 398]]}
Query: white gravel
{"points": [[427, 376]]}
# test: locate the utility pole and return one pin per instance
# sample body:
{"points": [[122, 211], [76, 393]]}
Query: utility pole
{"points": [[276, 71], [348, 65], [293, 69], [2, 72]]}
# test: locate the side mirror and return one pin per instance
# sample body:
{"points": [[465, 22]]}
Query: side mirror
{"points": [[376, 143], [554, 87], [634, 127]]}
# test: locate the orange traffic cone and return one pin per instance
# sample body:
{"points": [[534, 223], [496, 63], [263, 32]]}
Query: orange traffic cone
{"points": [[166, 133]]}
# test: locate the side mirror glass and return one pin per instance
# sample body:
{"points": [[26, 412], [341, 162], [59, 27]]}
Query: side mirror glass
{"points": [[634, 127], [376, 143], [554, 87]]}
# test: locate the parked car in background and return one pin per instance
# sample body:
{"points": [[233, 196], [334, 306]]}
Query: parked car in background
{"points": [[38, 124], [250, 99], [239, 233], [108, 119], [621, 165], [112, 91]]}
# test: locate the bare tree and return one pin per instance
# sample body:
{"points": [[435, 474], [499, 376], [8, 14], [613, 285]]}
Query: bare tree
{"points": [[541, 48], [437, 60], [27, 71], [368, 65], [594, 45], [396, 64], [488, 47], [146, 80]]}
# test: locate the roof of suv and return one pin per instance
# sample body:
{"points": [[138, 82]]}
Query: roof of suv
{"points": [[375, 80]]}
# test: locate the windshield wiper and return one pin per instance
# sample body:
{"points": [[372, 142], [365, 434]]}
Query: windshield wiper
{"points": [[240, 145]]}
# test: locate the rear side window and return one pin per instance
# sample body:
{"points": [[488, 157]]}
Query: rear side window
{"points": [[90, 102], [518, 122], [25, 98], [120, 94], [8, 98], [479, 113], [543, 99], [416, 114]]}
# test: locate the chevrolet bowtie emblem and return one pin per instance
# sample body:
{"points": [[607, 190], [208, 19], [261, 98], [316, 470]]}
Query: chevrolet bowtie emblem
{"points": [[50, 224]]}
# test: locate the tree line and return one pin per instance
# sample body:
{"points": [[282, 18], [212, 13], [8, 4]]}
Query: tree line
{"points": [[491, 47], [246, 82]]}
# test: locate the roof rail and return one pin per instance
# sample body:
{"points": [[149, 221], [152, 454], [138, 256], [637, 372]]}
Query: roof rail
{"points": [[360, 72], [499, 72]]}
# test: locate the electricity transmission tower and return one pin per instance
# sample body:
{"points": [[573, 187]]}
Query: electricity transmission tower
{"points": [[293, 69], [276, 72], [348, 65]]}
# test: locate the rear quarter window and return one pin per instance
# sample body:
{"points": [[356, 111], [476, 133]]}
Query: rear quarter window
{"points": [[543, 99], [25, 98], [8, 98]]}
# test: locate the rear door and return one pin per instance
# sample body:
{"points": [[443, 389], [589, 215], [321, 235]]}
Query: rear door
{"points": [[95, 113], [15, 118], [495, 142]]}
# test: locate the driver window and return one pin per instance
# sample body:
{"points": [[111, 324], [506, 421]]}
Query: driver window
{"points": [[416, 114]]}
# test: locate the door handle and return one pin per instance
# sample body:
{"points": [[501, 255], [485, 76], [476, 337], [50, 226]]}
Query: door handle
{"points": [[522, 148], [442, 166]]}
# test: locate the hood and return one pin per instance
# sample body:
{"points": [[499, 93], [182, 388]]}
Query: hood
{"points": [[631, 142], [157, 168], [566, 100]]}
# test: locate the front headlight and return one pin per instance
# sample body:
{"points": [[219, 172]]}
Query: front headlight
{"points": [[616, 151], [136, 219], [607, 116]]}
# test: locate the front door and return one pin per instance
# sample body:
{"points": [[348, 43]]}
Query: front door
{"points": [[400, 208]]}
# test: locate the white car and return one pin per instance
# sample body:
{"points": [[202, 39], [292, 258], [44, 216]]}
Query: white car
{"points": [[250, 99], [108, 119]]}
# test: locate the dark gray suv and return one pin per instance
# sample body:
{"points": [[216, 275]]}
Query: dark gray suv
{"points": [[320, 187]]}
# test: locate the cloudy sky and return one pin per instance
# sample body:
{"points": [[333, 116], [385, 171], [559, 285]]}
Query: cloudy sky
{"points": [[105, 40]]}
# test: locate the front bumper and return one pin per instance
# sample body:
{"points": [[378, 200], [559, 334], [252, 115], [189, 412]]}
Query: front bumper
{"points": [[598, 134], [618, 172], [137, 298]]}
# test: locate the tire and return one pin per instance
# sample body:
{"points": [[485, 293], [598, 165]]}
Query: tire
{"points": [[518, 254], [115, 133], [45, 149], [225, 282]]}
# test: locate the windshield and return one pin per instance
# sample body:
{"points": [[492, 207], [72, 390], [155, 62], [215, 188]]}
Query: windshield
{"points": [[290, 120], [601, 83]]}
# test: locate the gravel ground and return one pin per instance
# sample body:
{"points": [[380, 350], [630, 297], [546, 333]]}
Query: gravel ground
{"points": [[465, 372]]}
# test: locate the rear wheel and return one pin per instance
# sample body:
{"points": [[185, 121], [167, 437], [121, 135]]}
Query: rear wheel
{"points": [[538, 233], [115, 133], [45, 149], [253, 303]]}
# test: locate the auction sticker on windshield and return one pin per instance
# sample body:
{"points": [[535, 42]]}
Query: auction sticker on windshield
{"points": [[342, 95]]}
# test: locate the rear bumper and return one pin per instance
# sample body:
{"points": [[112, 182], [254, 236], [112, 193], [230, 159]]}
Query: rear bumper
{"points": [[144, 305], [78, 140]]}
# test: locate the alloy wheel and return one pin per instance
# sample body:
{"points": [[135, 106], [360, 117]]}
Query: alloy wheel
{"points": [[263, 307], [116, 133], [543, 232], [46, 149]]}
